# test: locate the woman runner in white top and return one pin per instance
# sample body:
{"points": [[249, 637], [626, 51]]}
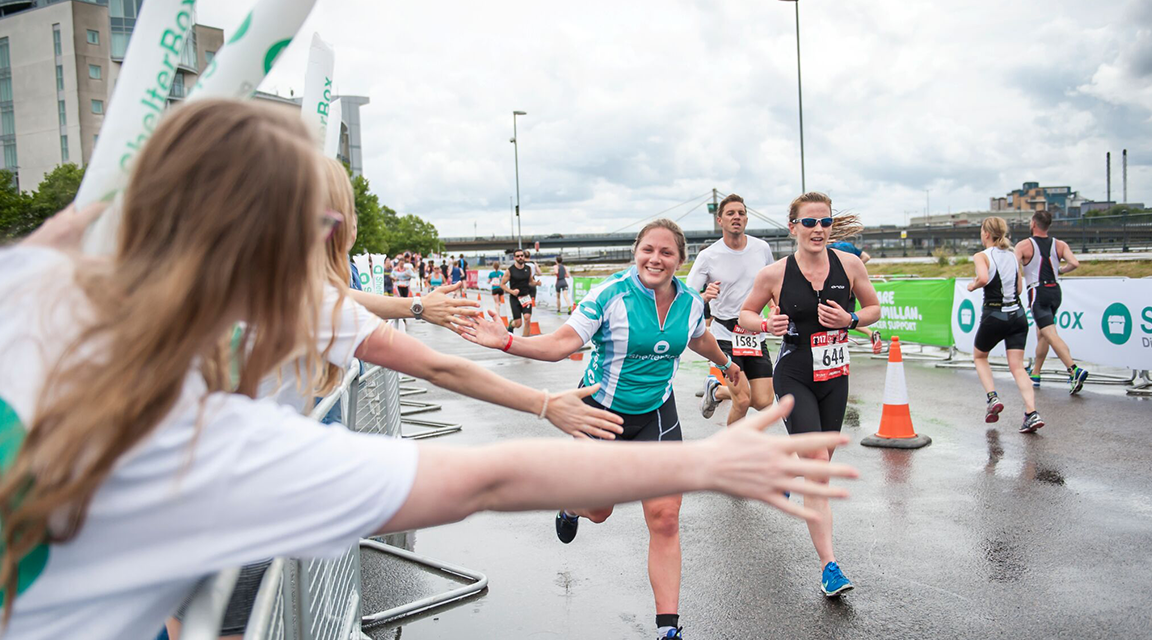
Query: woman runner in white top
{"points": [[129, 472], [1003, 320]]}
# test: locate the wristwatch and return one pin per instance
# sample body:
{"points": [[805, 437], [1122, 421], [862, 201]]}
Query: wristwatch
{"points": [[855, 321], [417, 308]]}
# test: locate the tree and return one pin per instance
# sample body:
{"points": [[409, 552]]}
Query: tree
{"points": [[371, 236], [13, 206], [412, 233]]}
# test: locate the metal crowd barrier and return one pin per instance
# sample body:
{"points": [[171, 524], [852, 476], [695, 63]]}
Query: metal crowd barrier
{"points": [[321, 599]]}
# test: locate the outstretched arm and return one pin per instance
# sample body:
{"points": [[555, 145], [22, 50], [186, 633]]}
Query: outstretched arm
{"points": [[763, 293], [439, 308], [1065, 253], [550, 347], [400, 352], [452, 483], [707, 346]]}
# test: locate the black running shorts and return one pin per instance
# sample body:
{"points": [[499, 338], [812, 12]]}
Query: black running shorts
{"points": [[518, 309], [754, 368], [819, 406], [1009, 327], [659, 425], [1045, 301]]}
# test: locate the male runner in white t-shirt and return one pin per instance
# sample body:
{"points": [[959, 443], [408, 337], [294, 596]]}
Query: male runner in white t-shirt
{"points": [[728, 267]]}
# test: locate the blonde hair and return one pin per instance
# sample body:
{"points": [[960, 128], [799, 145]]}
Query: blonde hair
{"points": [[220, 222], [844, 225], [997, 229], [664, 223]]}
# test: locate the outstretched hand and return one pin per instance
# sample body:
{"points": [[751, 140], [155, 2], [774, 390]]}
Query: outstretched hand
{"points": [[748, 463], [65, 229], [484, 331], [452, 313], [571, 415]]}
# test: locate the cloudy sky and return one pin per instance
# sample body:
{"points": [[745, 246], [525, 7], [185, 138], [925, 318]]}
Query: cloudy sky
{"points": [[636, 106]]}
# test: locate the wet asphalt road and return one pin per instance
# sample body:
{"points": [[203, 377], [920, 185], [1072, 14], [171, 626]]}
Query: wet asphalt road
{"points": [[986, 533]]}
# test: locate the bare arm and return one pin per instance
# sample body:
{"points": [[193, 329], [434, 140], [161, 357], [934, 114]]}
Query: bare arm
{"points": [[864, 257], [1065, 253], [1023, 251], [740, 461], [763, 294], [439, 308], [833, 316], [504, 284], [397, 351], [707, 346], [550, 347], [980, 261]]}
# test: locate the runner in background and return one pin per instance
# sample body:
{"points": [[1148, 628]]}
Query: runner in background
{"points": [[639, 322], [403, 277], [517, 283], [1003, 320], [811, 289], [435, 277], [726, 270], [389, 281], [873, 336], [562, 286], [494, 278], [1041, 256], [536, 273]]}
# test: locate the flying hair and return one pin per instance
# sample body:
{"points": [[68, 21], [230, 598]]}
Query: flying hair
{"points": [[844, 225]]}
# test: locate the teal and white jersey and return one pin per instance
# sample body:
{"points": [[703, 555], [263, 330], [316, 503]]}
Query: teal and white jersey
{"points": [[634, 358]]}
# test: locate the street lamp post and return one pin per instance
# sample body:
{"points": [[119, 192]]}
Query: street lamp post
{"points": [[799, 95], [516, 152]]}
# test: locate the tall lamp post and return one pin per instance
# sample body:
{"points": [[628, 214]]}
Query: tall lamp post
{"points": [[800, 95], [516, 151]]}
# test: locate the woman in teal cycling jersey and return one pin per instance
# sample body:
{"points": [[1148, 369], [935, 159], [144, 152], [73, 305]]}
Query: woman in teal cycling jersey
{"points": [[639, 322]]}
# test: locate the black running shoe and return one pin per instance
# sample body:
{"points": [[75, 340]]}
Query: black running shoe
{"points": [[566, 526]]}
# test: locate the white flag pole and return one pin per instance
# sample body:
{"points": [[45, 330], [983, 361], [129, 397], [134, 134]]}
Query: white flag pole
{"points": [[315, 108], [137, 102], [252, 49]]}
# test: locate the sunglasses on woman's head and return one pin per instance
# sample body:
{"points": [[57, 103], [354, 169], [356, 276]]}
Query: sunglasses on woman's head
{"points": [[812, 222]]}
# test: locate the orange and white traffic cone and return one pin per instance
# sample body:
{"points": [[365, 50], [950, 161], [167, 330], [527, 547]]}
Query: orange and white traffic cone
{"points": [[896, 419]]}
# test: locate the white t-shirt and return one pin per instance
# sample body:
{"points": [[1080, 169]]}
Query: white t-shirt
{"points": [[735, 271], [353, 325], [261, 481]]}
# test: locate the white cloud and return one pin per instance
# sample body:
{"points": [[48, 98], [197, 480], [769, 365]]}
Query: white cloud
{"points": [[635, 106]]}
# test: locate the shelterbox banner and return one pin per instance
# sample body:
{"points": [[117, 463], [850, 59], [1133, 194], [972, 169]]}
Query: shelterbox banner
{"points": [[1105, 321], [916, 310]]}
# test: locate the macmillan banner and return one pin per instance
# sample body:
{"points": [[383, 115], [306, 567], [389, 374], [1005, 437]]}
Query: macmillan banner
{"points": [[916, 310], [1105, 321]]}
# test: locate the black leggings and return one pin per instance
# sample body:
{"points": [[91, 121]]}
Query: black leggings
{"points": [[819, 406]]}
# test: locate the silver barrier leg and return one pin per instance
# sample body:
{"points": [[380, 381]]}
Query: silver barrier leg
{"points": [[206, 609], [478, 584]]}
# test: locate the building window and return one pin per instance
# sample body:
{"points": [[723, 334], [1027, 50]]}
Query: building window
{"points": [[209, 56], [5, 61], [56, 39], [98, 107], [93, 36], [94, 71], [59, 77], [7, 121], [63, 113], [63, 148], [10, 156], [178, 85]]}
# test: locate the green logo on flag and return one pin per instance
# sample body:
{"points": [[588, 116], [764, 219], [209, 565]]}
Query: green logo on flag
{"points": [[242, 29], [273, 53], [11, 437], [966, 316], [1116, 323]]}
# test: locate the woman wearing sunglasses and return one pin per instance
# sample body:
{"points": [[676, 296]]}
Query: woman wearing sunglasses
{"points": [[810, 292]]}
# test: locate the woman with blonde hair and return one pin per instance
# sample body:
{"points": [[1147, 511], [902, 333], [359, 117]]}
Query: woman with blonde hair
{"points": [[130, 471], [811, 294], [998, 272]]}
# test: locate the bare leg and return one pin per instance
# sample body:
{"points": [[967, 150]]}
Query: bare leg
{"points": [[663, 518], [1049, 336], [821, 528], [741, 396], [595, 515], [1016, 365], [1042, 346], [763, 394], [527, 325], [984, 370]]}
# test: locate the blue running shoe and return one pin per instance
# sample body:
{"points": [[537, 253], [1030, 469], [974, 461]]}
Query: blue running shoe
{"points": [[833, 582], [1077, 381], [671, 634], [566, 526], [1035, 378], [708, 402]]}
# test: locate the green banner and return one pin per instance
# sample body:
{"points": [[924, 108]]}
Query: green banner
{"points": [[581, 286], [916, 310]]}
